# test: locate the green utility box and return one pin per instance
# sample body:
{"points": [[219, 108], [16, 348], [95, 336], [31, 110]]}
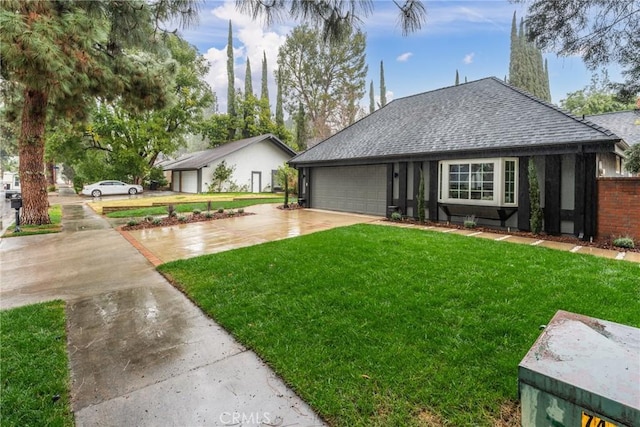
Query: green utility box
{"points": [[581, 372]]}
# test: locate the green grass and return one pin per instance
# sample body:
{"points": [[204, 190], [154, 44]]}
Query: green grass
{"points": [[189, 207], [377, 325], [34, 368], [55, 215]]}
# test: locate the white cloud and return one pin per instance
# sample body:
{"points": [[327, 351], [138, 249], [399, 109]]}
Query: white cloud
{"points": [[468, 58], [404, 57], [251, 39]]}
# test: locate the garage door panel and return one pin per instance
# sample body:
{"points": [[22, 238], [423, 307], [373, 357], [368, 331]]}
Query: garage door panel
{"points": [[360, 189]]}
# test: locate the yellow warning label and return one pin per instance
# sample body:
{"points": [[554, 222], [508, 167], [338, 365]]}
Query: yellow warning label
{"points": [[589, 420]]}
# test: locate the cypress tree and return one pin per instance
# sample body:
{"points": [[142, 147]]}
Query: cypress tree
{"points": [[301, 128], [264, 93], [248, 84], [421, 198], [279, 110], [457, 78], [231, 90], [383, 88], [526, 69], [535, 218], [372, 99]]}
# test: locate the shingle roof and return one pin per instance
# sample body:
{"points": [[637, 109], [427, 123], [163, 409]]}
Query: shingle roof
{"points": [[486, 114], [624, 123], [199, 159]]}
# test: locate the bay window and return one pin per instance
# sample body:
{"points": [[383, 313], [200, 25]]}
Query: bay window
{"points": [[489, 182]]}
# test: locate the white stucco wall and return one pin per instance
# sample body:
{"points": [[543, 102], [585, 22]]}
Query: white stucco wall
{"points": [[260, 157]]}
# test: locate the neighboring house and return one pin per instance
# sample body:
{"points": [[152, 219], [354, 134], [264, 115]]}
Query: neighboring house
{"points": [[472, 143], [255, 162], [626, 124]]}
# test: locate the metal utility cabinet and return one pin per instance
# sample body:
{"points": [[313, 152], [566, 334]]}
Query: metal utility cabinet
{"points": [[581, 372]]}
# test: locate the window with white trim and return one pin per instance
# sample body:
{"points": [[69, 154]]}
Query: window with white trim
{"points": [[489, 182]]}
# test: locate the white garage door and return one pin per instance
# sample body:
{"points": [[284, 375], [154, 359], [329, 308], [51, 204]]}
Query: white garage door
{"points": [[360, 189], [189, 181]]}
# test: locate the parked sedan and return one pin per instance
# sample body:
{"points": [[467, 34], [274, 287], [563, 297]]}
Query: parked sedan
{"points": [[106, 188]]}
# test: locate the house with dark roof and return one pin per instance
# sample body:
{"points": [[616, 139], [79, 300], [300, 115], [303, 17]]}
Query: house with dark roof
{"points": [[255, 161], [625, 124], [471, 144]]}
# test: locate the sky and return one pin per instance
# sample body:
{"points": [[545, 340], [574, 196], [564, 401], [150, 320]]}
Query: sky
{"points": [[472, 37]]}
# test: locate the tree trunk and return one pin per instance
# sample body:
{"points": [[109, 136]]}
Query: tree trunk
{"points": [[35, 202], [51, 174]]}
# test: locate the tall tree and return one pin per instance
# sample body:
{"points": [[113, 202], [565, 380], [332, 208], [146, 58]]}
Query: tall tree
{"points": [[526, 68], [279, 103], [130, 142], [372, 99], [231, 90], [336, 20], [248, 81], [601, 32], [301, 128], [325, 78], [265, 108], [596, 98], [63, 54], [383, 88], [264, 92], [457, 78]]}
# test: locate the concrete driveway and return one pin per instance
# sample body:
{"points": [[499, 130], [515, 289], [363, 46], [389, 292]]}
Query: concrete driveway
{"points": [[140, 352], [269, 223]]}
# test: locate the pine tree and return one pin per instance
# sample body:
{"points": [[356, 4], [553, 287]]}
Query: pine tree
{"points": [[372, 99], [383, 88], [63, 55], [457, 78], [231, 91]]}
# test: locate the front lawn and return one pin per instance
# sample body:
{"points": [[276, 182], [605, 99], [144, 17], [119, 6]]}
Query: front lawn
{"points": [[55, 215], [189, 207], [34, 366], [377, 325]]}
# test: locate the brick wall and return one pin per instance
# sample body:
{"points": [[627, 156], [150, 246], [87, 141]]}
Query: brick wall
{"points": [[619, 208]]}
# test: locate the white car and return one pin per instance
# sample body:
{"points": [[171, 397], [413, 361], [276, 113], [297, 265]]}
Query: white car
{"points": [[106, 188]]}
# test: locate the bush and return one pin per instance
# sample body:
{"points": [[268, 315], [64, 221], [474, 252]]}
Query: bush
{"points": [[470, 222], [149, 218], [396, 216], [624, 242], [220, 210], [241, 211], [182, 218], [197, 211], [156, 221], [535, 220], [208, 215], [132, 222], [231, 212]]}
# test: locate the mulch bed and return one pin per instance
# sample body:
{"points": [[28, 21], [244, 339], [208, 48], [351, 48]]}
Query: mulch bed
{"points": [[167, 221], [602, 244]]}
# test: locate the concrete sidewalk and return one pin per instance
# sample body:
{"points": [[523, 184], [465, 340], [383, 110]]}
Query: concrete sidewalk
{"points": [[140, 352]]}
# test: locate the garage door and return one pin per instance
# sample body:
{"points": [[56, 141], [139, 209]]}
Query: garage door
{"points": [[189, 182], [360, 189]]}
